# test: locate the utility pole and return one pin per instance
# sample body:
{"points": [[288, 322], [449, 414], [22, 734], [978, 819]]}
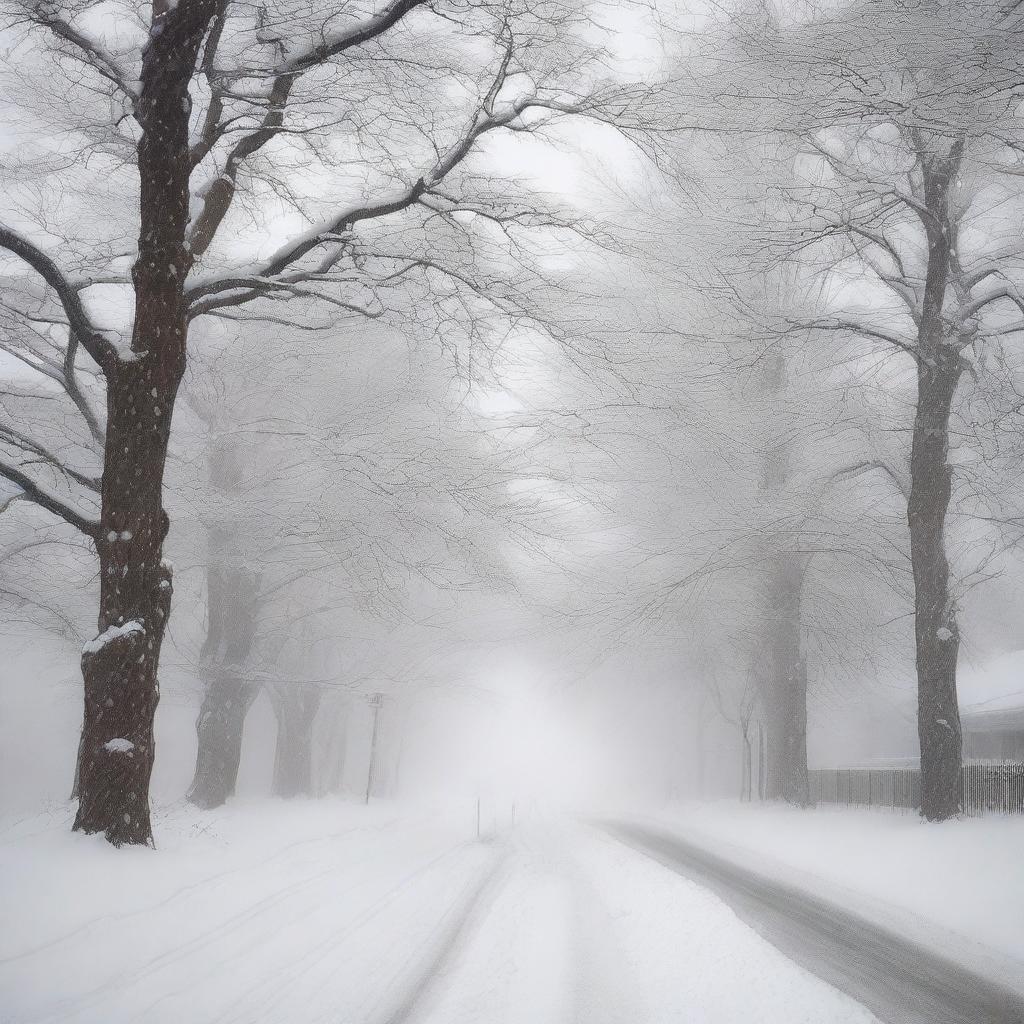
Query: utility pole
{"points": [[375, 701]]}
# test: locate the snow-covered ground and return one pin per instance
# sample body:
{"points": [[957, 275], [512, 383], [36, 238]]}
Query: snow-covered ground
{"points": [[583, 929], [330, 911], [267, 911], [957, 886]]}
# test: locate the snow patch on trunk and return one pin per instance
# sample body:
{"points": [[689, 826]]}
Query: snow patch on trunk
{"points": [[112, 633]]}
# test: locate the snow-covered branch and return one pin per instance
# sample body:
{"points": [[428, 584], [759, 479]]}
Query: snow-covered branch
{"points": [[79, 321]]}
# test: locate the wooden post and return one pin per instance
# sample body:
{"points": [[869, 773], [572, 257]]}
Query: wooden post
{"points": [[375, 702]]}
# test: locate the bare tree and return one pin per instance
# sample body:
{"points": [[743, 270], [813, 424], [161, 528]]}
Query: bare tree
{"points": [[896, 174], [233, 589], [212, 110]]}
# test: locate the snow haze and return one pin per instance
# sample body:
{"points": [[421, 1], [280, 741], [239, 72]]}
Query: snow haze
{"points": [[510, 512]]}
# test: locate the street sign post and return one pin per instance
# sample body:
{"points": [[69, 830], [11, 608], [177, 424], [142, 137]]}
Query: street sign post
{"points": [[375, 701]]}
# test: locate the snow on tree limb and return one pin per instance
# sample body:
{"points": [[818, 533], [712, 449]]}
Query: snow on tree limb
{"points": [[112, 634], [79, 321]]}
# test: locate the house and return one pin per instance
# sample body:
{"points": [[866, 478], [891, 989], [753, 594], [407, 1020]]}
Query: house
{"points": [[994, 733], [992, 710]]}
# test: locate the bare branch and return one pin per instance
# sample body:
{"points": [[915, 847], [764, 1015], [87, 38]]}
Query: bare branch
{"points": [[868, 466], [83, 49], [336, 229], [44, 499], [354, 36], [79, 322], [17, 439], [1007, 292], [865, 330]]}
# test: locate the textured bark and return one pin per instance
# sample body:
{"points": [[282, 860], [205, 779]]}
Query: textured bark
{"points": [[937, 637], [78, 758], [121, 690], [295, 708], [936, 633]]}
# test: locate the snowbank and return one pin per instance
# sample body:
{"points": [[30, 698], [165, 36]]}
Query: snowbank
{"points": [[957, 887]]}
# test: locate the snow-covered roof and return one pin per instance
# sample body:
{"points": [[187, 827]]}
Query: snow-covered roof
{"points": [[992, 694]]}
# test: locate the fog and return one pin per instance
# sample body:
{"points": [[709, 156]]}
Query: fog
{"points": [[511, 511]]}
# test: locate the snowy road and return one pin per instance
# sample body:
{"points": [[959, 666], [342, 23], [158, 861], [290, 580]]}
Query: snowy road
{"points": [[342, 917], [579, 929], [901, 981]]}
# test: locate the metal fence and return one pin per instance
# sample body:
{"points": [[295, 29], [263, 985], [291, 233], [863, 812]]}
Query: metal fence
{"points": [[985, 788]]}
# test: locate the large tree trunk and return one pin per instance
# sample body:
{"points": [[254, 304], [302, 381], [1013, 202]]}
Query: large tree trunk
{"points": [[937, 637], [935, 628], [785, 675], [789, 680], [772, 760], [295, 708], [332, 775], [232, 611], [78, 759], [786, 738], [219, 728], [120, 666]]}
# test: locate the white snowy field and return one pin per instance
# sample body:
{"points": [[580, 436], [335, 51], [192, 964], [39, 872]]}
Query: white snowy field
{"points": [[265, 911], [957, 887], [330, 911]]}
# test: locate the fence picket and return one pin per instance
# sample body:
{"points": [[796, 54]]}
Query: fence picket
{"points": [[985, 788]]}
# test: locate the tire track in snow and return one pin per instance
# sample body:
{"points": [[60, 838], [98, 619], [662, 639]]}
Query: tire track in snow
{"points": [[210, 937], [900, 981], [538, 946], [598, 996], [455, 933], [199, 886], [243, 924], [585, 931], [278, 985], [512, 961]]}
